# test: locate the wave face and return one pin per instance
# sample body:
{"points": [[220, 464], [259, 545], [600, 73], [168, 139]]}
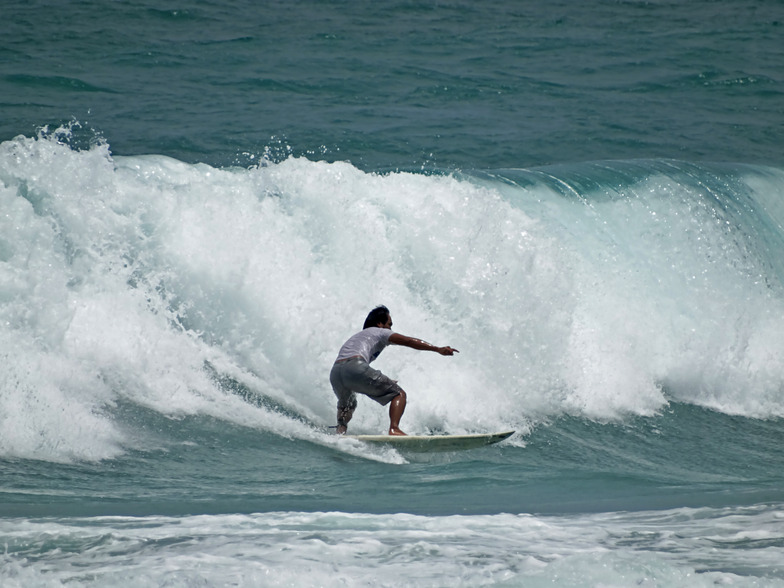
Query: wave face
{"points": [[672, 283], [602, 291]]}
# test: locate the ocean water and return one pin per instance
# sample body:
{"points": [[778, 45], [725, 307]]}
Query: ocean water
{"points": [[200, 201]]}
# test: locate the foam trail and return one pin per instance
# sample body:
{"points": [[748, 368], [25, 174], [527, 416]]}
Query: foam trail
{"points": [[684, 547]]}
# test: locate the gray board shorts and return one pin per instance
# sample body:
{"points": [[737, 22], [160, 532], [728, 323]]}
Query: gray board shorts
{"points": [[355, 375]]}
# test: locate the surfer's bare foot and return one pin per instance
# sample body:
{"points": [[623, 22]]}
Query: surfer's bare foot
{"points": [[344, 416], [396, 431]]}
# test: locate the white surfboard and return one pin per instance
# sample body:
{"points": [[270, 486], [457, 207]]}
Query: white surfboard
{"points": [[434, 442]]}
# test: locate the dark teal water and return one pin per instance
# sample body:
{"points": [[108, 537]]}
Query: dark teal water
{"points": [[403, 84], [569, 466], [199, 203]]}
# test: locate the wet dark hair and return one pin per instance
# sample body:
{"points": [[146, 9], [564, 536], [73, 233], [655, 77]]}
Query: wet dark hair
{"points": [[379, 314]]}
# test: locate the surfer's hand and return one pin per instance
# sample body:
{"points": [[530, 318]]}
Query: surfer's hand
{"points": [[447, 351]]}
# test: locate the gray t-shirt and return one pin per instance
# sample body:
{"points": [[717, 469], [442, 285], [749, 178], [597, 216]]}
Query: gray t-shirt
{"points": [[366, 344]]}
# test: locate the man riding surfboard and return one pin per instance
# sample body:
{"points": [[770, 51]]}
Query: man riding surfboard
{"points": [[352, 374]]}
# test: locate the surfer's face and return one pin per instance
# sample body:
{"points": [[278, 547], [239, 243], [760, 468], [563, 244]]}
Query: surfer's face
{"points": [[388, 324]]}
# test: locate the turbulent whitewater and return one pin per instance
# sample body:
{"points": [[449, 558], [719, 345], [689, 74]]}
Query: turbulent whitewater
{"points": [[150, 306], [599, 290], [199, 206]]}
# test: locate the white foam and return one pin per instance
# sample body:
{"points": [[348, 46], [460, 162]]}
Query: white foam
{"points": [[684, 547], [669, 293], [121, 278]]}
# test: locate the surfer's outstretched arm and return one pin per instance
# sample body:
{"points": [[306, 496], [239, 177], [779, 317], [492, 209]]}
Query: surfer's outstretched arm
{"points": [[414, 343]]}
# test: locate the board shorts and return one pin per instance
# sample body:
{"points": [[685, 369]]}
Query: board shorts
{"points": [[351, 376]]}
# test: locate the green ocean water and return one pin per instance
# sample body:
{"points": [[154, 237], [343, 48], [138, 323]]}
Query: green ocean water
{"points": [[571, 466], [403, 84]]}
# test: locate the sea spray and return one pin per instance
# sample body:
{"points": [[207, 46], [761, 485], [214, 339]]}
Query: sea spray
{"points": [[678, 279], [597, 291]]}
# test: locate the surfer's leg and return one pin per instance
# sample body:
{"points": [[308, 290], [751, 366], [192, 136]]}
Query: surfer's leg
{"points": [[396, 408], [347, 400], [344, 416]]}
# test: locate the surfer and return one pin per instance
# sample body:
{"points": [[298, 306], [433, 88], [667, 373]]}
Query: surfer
{"points": [[352, 373]]}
